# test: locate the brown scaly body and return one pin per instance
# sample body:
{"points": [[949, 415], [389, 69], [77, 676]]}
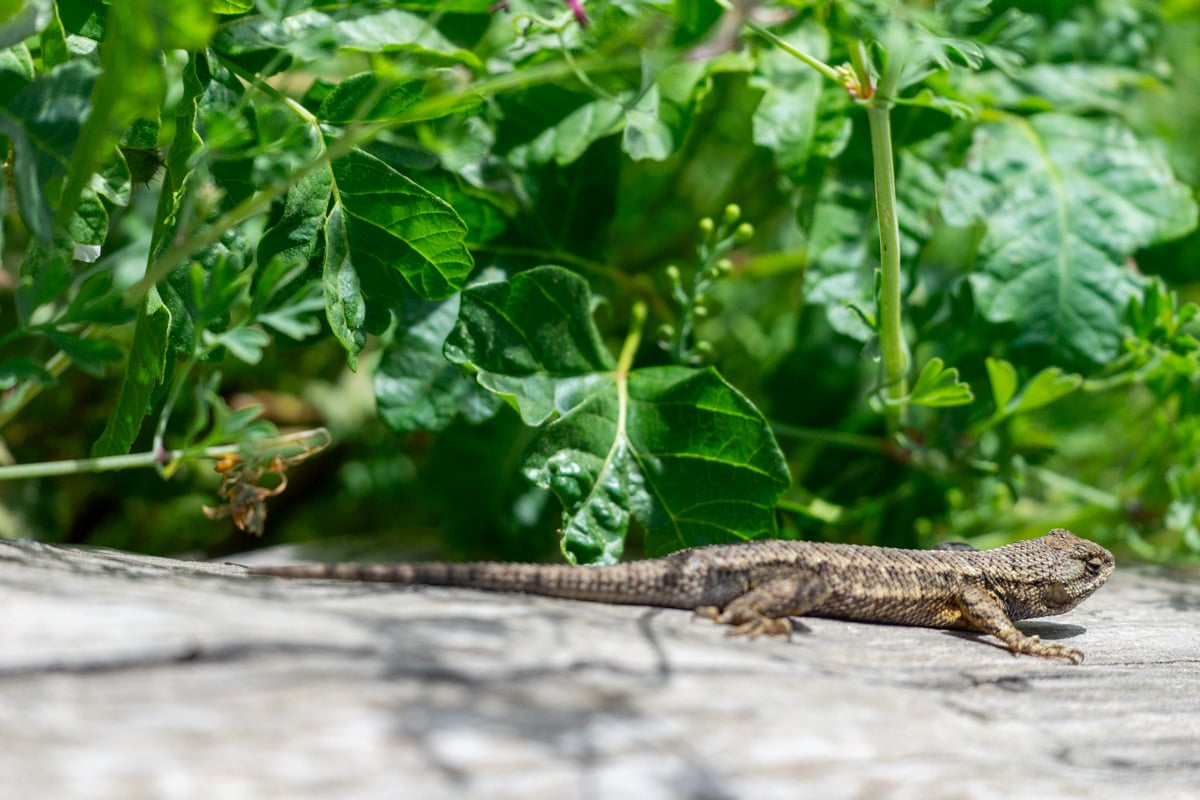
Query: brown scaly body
{"points": [[756, 586]]}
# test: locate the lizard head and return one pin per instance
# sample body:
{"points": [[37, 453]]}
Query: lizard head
{"points": [[1053, 574]]}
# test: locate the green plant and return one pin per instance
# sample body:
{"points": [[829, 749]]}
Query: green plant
{"points": [[919, 273]]}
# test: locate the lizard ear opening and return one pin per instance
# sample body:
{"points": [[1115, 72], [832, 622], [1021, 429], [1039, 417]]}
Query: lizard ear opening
{"points": [[1056, 595]]}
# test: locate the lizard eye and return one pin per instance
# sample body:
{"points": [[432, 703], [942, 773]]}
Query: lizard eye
{"points": [[1094, 565]]}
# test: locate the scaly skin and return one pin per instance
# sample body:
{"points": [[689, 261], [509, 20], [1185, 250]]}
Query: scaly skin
{"points": [[756, 586]]}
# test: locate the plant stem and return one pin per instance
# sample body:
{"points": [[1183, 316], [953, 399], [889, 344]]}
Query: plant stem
{"points": [[152, 458], [637, 320], [892, 347]]}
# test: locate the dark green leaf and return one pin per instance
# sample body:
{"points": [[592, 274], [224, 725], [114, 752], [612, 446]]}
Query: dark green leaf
{"points": [[363, 98], [314, 35], [1065, 201], [18, 371], [143, 373], [416, 388], [345, 307], [392, 224], [43, 122], [91, 355], [676, 448]]}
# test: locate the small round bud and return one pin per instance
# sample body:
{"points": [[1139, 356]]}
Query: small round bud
{"points": [[703, 349], [699, 298], [666, 332], [724, 266], [707, 226], [699, 311], [673, 274], [744, 233], [733, 212]]}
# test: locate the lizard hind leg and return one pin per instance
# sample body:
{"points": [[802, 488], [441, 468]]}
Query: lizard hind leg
{"points": [[764, 608]]}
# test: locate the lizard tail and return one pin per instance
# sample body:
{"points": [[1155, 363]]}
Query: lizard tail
{"points": [[637, 583]]}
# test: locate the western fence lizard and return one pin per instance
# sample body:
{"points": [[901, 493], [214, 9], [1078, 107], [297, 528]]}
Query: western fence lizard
{"points": [[756, 586]]}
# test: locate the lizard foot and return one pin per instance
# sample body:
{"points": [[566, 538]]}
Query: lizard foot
{"points": [[707, 612], [763, 626], [1034, 646]]}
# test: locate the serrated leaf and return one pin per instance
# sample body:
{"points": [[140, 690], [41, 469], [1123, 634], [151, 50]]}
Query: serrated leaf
{"points": [[675, 448], [392, 224], [143, 373], [938, 387], [416, 388], [1065, 201], [1003, 378]]}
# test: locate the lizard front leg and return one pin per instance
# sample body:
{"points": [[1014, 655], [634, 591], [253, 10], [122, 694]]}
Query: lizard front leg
{"points": [[764, 608], [984, 612]]}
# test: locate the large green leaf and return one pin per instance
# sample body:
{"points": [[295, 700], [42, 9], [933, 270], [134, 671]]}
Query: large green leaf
{"points": [[1065, 201], [314, 35], [416, 388], [677, 449], [395, 225]]}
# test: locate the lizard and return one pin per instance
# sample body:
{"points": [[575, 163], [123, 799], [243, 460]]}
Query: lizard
{"points": [[756, 586]]}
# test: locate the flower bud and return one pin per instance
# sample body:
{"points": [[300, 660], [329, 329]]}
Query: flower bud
{"points": [[724, 266], [707, 226], [744, 233], [699, 311], [733, 213], [673, 274]]}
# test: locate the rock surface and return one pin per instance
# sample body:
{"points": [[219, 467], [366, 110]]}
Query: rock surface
{"points": [[123, 676]]}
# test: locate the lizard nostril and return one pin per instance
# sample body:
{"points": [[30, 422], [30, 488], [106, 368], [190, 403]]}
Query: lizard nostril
{"points": [[1094, 565]]}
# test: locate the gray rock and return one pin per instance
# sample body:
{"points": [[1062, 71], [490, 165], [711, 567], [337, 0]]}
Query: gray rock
{"points": [[132, 677]]}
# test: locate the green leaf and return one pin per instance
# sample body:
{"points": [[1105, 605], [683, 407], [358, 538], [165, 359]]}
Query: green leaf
{"points": [[1065, 201], [43, 121], [495, 333], [1003, 377], [565, 142], [293, 236], [345, 306], [91, 355], [646, 136], [677, 449], [131, 85], [1044, 388], [416, 388], [798, 119], [20, 20], [232, 6], [21, 370], [143, 373], [392, 224], [364, 98], [939, 387], [313, 35], [245, 343]]}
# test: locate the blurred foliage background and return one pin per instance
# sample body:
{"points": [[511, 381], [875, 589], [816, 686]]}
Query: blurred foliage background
{"points": [[1109, 448]]}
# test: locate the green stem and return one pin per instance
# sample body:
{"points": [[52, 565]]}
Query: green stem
{"points": [[153, 458], [766, 33], [893, 349], [637, 320]]}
